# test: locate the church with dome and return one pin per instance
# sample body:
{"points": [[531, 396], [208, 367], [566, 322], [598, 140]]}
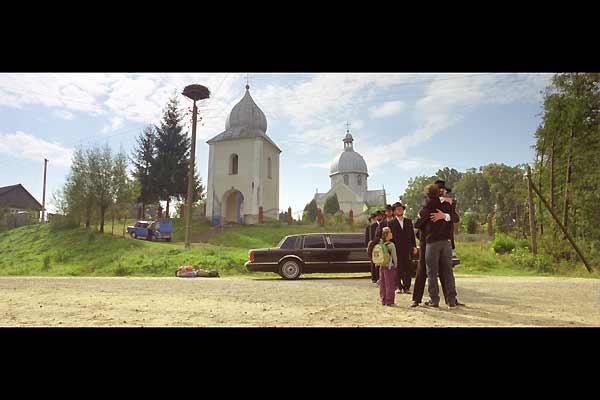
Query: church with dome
{"points": [[243, 168], [349, 174]]}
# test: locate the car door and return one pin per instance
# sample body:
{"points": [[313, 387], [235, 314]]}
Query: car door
{"points": [[349, 253], [141, 229], [315, 254]]}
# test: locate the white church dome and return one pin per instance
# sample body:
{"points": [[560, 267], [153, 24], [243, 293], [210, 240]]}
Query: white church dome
{"points": [[245, 121], [348, 161], [246, 114]]}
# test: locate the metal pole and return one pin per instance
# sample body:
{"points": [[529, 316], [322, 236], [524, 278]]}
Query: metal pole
{"points": [[557, 220], [44, 193], [188, 206], [531, 213]]}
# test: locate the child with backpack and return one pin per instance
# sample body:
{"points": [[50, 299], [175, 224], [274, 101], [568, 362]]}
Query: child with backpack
{"points": [[384, 257]]}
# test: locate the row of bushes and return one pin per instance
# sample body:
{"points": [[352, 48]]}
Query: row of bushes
{"points": [[553, 253]]}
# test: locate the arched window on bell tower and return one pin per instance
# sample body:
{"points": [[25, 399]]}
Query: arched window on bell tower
{"points": [[359, 180], [233, 164], [346, 179]]}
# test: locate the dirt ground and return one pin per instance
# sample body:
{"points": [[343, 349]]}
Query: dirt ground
{"points": [[266, 302]]}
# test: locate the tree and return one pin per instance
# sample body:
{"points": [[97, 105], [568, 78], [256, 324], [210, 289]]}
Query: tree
{"points": [[124, 190], [413, 194], [143, 159], [509, 193], [332, 205], [310, 211], [449, 175], [170, 166], [472, 193], [283, 216], [79, 195], [101, 165]]}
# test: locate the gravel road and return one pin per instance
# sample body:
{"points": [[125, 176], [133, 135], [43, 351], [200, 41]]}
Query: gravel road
{"points": [[266, 302]]}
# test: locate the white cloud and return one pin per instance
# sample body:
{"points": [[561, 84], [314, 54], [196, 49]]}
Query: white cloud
{"points": [[387, 109], [115, 123], [26, 146], [324, 165], [63, 114]]}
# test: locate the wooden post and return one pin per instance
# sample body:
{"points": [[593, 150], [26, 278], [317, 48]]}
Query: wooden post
{"points": [[260, 215], [289, 217], [561, 226], [490, 226], [531, 213], [319, 217], [159, 212], [351, 217]]}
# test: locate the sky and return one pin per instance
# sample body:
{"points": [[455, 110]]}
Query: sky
{"points": [[404, 125]]}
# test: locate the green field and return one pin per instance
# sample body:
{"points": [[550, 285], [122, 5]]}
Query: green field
{"points": [[47, 251]]}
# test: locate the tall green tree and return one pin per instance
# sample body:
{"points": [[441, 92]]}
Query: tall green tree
{"points": [[472, 193], [450, 175], [170, 166], [79, 195], [413, 194], [143, 158], [101, 165], [310, 211], [332, 205]]}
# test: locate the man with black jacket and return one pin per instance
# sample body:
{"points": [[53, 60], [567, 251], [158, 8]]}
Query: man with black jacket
{"points": [[421, 275], [389, 217], [404, 240], [439, 218]]}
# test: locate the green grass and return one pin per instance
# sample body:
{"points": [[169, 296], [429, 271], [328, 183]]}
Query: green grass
{"points": [[477, 258], [255, 237], [46, 251]]}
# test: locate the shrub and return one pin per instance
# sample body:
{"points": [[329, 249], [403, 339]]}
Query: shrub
{"points": [[121, 270], [502, 244], [469, 222], [540, 262], [46, 263]]}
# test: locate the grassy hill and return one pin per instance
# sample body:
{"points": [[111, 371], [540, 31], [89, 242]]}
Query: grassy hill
{"points": [[47, 251]]}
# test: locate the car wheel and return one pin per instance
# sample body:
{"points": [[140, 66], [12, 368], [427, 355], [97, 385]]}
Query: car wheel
{"points": [[133, 235], [290, 269]]}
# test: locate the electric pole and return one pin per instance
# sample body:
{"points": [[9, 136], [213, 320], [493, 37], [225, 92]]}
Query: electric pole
{"points": [[44, 192], [532, 228], [194, 92]]}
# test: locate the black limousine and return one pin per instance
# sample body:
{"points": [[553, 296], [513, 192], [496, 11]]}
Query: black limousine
{"points": [[316, 252]]}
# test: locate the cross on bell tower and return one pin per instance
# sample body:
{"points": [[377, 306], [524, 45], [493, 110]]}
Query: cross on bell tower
{"points": [[348, 138]]}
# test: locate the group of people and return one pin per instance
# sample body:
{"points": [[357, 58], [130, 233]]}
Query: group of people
{"points": [[435, 227]]}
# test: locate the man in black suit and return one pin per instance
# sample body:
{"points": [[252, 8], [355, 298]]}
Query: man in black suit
{"points": [[404, 240], [386, 221]]}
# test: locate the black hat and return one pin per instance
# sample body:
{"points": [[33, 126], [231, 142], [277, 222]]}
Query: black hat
{"points": [[389, 207], [442, 185], [373, 215], [378, 212], [398, 204]]}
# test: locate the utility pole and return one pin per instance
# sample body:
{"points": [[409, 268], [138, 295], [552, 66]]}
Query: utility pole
{"points": [[194, 92], [531, 213], [44, 192]]}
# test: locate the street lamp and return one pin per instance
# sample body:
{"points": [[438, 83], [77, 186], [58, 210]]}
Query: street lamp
{"points": [[194, 92]]}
